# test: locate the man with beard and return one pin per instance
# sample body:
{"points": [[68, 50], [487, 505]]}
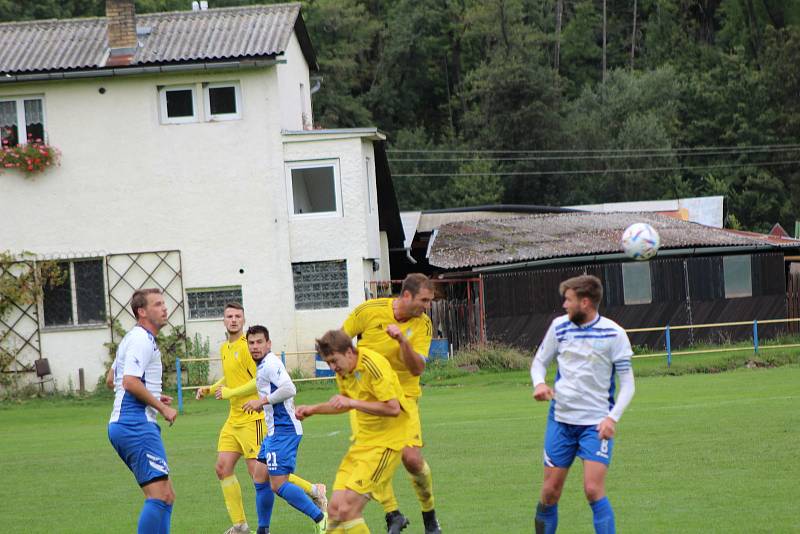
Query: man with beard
{"points": [[582, 419], [243, 431]]}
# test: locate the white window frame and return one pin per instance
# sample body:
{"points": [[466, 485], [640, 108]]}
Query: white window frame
{"points": [[162, 97], [209, 290], [73, 290], [22, 127], [222, 116], [337, 187]]}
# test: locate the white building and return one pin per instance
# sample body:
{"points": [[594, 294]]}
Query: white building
{"points": [[188, 162]]}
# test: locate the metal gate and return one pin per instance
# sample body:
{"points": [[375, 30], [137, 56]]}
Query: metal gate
{"points": [[20, 343], [131, 271], [457, 312]]}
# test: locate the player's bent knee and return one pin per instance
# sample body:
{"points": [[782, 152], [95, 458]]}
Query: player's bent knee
{"points": [[413, 460]]}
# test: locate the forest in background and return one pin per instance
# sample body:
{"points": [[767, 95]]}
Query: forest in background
{"points": [[558, 102]]}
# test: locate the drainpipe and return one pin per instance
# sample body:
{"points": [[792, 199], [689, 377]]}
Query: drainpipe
{"points": [[317, 84]]}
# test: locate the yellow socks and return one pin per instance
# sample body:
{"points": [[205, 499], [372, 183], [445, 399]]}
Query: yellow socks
{"points": [[423, 486], [334, 527], [385, 495], [305, 485], [233, 499]]}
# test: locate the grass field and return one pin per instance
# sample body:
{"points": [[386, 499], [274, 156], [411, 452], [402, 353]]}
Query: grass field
{"points": [[696, 453]]}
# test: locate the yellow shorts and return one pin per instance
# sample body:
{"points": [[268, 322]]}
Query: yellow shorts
{"points": [[245, 439], [414, 423], [365, 468]]}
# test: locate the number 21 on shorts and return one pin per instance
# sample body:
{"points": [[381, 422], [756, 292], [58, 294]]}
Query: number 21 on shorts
{"points": [[272, 460]]}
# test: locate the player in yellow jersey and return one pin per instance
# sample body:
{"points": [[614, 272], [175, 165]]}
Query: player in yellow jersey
{"points": [[370, 388], [243, 432], [399, 329]]}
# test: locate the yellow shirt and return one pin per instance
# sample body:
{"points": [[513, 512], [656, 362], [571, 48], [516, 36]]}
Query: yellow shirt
{"points": [[373, 380], [239, 368], [369, 321]]}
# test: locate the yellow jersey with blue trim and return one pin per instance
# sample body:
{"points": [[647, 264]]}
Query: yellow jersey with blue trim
{"points": [[374, 380], [369, 321], [239, 368]]}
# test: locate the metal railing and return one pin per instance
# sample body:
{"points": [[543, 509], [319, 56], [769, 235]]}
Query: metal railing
{"points": [[180, 361], [668, 345]]}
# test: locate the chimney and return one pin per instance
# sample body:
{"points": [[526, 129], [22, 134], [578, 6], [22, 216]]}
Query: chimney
{"points": [[122, 41]]}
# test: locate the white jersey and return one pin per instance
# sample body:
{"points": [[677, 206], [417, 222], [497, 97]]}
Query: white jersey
{"points": [[587, 358], [137, 355], [274, 382]]}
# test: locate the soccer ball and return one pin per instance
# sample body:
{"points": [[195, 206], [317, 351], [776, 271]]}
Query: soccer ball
{"points": [[640, 241]]}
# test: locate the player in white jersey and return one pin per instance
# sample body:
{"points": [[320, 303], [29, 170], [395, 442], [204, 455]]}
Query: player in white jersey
{"points": [[132, 428], [276, 393], [589, 350]]}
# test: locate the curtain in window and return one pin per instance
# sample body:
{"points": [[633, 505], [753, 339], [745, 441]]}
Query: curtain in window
{"points": [[34, 119], [8, 122]]}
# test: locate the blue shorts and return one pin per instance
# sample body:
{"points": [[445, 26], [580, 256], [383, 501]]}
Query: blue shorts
{"points": [[279, 452], [142, 450], [562, 442]]}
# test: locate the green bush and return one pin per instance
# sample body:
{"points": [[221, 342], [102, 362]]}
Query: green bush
{"points": [[492, 356]]}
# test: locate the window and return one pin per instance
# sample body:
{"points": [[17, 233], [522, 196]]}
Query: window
{"points": [[321, 284], [314, 189], [636, 282], [222, 101], [178, 104], [210, 303], [738, 279], [21, 120], [80, 299]]}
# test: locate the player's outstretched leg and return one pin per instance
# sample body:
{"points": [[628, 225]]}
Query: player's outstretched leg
{"points": [[317, 491], [603, 516], [303, 503]]}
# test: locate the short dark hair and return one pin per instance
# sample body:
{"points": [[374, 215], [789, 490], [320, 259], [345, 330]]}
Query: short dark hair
{"points": [[587, 285], [333, 341], [234, 305], [257, 329], [414, 282], [139, 299]]}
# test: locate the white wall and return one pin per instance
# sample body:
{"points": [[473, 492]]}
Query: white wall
{"points": [[295, 93], [216, 191]]}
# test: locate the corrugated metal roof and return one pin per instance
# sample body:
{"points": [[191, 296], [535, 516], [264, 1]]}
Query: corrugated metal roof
{"points": [[537, 237], [184, 36]]}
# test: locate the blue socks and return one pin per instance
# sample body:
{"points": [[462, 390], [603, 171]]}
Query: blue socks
{"points": [[546, 519], [298, 499], [155, 517], [264, 501], [603, 517]]}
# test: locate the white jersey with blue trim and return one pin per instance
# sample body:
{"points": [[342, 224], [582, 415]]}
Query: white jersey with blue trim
{"points": [[274, 382], [137, 355], [587, 356]]}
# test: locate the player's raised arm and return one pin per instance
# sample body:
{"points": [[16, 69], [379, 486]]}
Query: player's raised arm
{"points": [[414, 361]]}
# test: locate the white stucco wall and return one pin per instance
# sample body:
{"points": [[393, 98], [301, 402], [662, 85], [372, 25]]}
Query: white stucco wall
{"points": [[216, 191], [295, 93]]}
